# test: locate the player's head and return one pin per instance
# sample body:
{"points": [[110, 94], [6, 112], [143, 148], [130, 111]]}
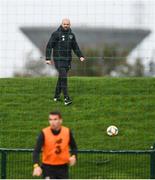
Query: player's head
{"points": [[55, 120], [65, 24]]}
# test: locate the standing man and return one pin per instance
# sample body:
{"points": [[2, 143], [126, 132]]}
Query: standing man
{"points": [[54, 141], [62, 41]]}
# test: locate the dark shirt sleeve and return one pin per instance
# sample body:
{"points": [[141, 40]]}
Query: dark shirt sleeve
{"points": [[76, 48], [50, 45], [73, 145], [38, 147]]}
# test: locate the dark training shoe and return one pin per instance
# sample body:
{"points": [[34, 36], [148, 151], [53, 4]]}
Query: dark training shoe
{"points": [[67, 101]]}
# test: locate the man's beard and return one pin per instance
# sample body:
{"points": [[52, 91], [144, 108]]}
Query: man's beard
{"points": [[66, 28]]}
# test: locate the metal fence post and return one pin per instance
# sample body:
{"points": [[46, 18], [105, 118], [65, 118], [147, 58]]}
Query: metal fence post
{"points": [[152, 163], [3, 164]]}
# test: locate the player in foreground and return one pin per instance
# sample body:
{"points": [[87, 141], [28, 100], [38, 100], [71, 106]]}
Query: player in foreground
{"points": [[54, 141], [62, 42]]}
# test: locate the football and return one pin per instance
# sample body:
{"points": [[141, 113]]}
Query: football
{"points": [[112, 130]]}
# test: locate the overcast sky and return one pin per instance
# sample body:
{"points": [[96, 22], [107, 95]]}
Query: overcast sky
{"points": [[106, 13]]}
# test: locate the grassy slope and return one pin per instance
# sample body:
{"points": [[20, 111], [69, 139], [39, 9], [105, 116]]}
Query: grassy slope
{"points": [[97, 103]]}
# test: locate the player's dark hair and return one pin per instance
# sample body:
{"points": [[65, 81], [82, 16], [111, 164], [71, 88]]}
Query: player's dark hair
{"points": [[56, 113]]}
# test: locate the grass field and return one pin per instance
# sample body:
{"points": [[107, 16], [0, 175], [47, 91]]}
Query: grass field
{"points": [[127, 103]]}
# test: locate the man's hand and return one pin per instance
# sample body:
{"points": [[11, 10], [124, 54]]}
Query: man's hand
{"points": [[49, 62], [37, 171], [82, 59], [72, 160]]}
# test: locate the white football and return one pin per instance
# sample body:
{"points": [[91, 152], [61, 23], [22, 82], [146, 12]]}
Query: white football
{"points": [[112, 130]]}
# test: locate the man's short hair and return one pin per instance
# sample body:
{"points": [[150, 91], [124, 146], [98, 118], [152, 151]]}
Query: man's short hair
{"points": [[56, 113]]}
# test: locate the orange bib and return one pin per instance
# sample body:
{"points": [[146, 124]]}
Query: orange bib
{"points": [[56, 147]]}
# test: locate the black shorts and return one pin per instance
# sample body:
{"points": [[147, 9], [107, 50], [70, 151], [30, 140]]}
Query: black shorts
{"points": [[55, 171]]}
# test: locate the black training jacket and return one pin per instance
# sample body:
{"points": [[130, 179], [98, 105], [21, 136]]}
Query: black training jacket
{"points": [[62, 42]]}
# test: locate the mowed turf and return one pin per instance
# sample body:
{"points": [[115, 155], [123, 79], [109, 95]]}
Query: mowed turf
{"points": [[128, 103]]}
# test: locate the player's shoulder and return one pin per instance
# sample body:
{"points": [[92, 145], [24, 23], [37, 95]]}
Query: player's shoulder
{"points": [[55, 33], [46, 129], [66, 128], [72, 33]]}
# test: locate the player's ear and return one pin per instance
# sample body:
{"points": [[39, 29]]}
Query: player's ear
{"points": [[61, 120]]}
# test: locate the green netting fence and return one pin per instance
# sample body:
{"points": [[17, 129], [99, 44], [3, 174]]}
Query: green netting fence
{"points": [[92, 164]]}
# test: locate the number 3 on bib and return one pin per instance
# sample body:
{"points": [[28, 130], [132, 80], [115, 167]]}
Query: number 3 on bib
{"points": [[58, 150]]}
